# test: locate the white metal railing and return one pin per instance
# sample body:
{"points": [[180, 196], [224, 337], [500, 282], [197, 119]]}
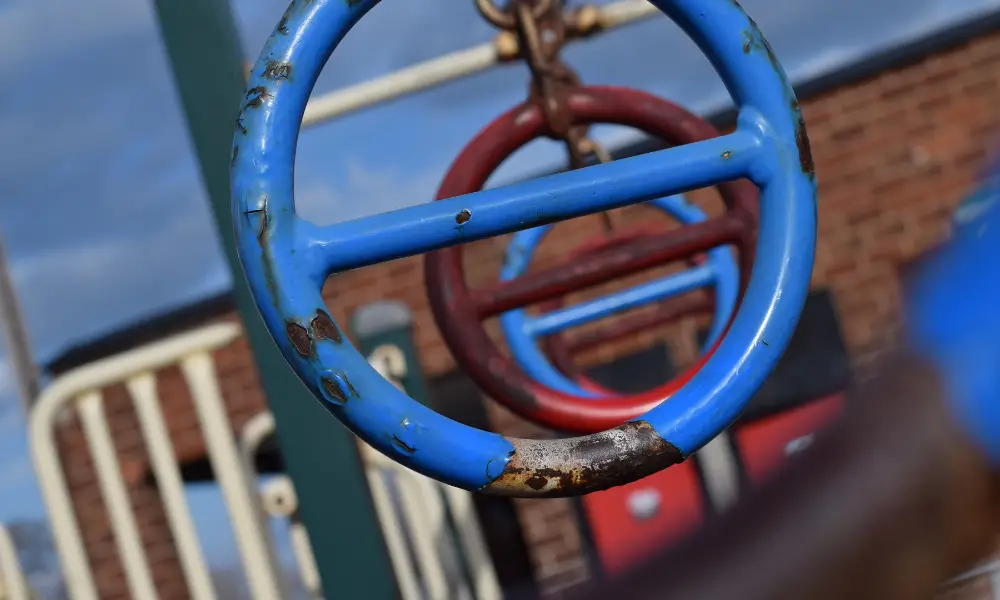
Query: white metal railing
{"points": [[450, 67], [13, 584], [80, 390], [429, 559]]}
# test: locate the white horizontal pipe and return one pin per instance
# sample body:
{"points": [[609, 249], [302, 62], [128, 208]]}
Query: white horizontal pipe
{"points": [[443, 69]]}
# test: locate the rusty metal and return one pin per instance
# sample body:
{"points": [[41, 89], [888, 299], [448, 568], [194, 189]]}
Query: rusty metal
{"points": [[570, 466], [285, 259], [504, 19], [460, 311], [541, 29]]}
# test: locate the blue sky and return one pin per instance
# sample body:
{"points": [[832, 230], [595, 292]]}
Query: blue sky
{"points": [[103, 214]]}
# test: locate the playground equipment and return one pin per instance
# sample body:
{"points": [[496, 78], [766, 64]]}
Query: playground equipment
{"points": [[559, 107], [286, 259], [420, 573], [556, 402]]}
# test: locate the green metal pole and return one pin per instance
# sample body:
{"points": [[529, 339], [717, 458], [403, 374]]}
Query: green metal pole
{"points": [[320, 456]]}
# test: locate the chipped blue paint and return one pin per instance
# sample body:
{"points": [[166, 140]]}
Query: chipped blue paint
{"points": [[286, 259], [521, 331]]}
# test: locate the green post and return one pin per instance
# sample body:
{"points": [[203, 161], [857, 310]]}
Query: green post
{"points": [[384, 334], [320, 456]]}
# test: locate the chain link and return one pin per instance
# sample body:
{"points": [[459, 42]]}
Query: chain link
{"points": [[541, 28]]}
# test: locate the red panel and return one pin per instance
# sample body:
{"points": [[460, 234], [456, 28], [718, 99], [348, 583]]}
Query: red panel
{"points": [[622, 536], [763, 445]]}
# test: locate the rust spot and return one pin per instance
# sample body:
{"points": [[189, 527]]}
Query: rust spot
{"points": [[324, 328], [299, 337], [537, 482], [275, 70], [333, 391], [463, 217], [802, 142], [727, 155], [574, 466], [403, 445], [256, 96]]}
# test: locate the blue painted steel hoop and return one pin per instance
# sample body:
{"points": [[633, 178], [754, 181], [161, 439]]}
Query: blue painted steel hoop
{"points": [[286, 259], [522, 331]]}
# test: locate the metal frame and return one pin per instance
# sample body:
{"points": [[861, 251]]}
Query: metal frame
{"points": [[286, 259], [80, 390], [452, 66], [521, 330], [427, 569], [13, 585], [202, 44], [460, 311]]}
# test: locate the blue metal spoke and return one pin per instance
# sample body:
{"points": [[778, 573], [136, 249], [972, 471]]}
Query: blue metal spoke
{"points": [[640, 295], [497, 211]]}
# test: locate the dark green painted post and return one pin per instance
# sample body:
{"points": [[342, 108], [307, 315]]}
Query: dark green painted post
{"points": [[320, 455], [384, 334]]}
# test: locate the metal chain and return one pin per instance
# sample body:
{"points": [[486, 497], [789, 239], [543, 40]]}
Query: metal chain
{"points": [[541, 29]]}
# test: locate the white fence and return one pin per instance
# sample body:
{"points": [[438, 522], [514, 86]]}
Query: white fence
{"points": [[424, 550], [430, 560], [13, 585]]}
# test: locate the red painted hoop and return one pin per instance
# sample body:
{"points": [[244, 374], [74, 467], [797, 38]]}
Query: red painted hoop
{"points": [[460, 312]]}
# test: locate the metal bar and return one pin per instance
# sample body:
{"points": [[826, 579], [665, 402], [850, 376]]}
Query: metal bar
{"points": [[304, 559], [477, 553], [252, 538], [142, 388], [128, 542], [13, 585], [392, 527], [45, 455], [279, 501], [320, 456], [991, 568], [462, 219], [450, 67], [22, 365], [720, 472], [634, 297]]}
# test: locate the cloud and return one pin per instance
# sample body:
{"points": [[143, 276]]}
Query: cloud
{"points": [[361, 189], [118, 280], [35, 30]]}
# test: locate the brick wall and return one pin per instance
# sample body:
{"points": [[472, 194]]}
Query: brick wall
{"points": [[894, 155]]}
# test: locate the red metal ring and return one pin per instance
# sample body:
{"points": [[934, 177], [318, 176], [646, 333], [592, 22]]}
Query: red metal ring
{"points": [[459, 311], [561, 353]]}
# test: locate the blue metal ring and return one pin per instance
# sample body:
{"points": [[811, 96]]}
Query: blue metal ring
{"points": [[720, 271], [286, 259]]}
